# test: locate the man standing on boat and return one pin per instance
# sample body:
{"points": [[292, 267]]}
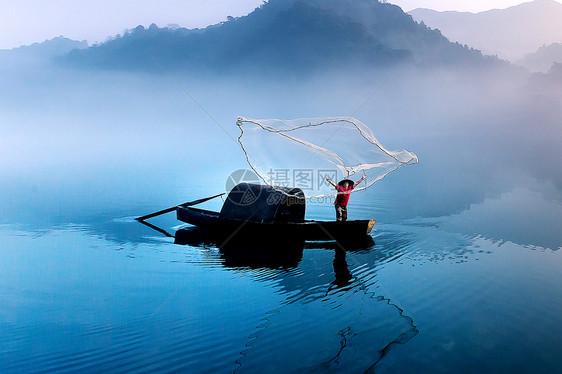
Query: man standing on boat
{"points": [[344, 189]]}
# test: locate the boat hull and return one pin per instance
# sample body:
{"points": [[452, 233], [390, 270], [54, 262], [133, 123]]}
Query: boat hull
{"points": [[307, 230]]}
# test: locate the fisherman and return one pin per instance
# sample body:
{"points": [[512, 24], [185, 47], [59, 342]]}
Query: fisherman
{"points": [[344, 188]]}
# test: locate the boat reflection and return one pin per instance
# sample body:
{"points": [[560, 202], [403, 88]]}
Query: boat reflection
{"points": [[273, 253], [240, 251]]}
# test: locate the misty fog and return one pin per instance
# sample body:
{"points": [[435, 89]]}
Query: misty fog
{"points": [[454, 252], [77, 141]]}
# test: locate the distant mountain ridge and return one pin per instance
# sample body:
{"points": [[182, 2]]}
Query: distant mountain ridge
{"points": [[509, 33], [284, 34], [40, 53], [548, 83], [543, 59]]}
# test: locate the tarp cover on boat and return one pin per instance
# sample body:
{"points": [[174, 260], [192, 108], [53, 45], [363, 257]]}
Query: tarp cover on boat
{"points": [[265, 204]]}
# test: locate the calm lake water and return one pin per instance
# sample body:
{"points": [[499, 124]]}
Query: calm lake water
{"points": [[463, 274], [425, 296]]}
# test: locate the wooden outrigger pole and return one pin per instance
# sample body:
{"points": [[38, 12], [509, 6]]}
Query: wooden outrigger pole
{"points": [[171, 209]]}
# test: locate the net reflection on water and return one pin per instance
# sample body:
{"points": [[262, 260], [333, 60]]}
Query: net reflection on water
{"points": [[329, 320]]}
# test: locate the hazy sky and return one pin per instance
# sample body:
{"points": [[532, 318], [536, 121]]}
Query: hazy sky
{"points": [[28, 21], [473, 6]]}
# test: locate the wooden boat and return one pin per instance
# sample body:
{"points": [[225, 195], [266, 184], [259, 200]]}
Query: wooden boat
{"points": [[270, 213]]}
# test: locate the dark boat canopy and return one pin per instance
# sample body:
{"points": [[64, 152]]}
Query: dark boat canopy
{"points": [[265, 204]]}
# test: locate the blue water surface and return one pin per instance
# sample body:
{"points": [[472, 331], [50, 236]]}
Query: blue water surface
{"points": [[463, 273], [115, 296]]}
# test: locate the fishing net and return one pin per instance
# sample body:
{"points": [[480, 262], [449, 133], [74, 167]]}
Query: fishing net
{"points": [[304, 152]]}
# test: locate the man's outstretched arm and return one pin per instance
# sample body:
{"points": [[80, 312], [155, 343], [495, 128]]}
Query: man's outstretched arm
{"points": [[330, 181], [360, 180]]}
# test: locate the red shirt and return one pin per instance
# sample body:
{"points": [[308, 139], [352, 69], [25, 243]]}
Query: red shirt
{"points": [[343, 195]]}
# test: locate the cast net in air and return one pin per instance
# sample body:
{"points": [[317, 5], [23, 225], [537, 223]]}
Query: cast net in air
{"points": [[304, 152]]}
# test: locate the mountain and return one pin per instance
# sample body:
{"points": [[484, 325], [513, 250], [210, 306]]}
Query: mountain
{"points": [[284, 34], [509, 33], [40, 53], [543, 58], [548, 83]]}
